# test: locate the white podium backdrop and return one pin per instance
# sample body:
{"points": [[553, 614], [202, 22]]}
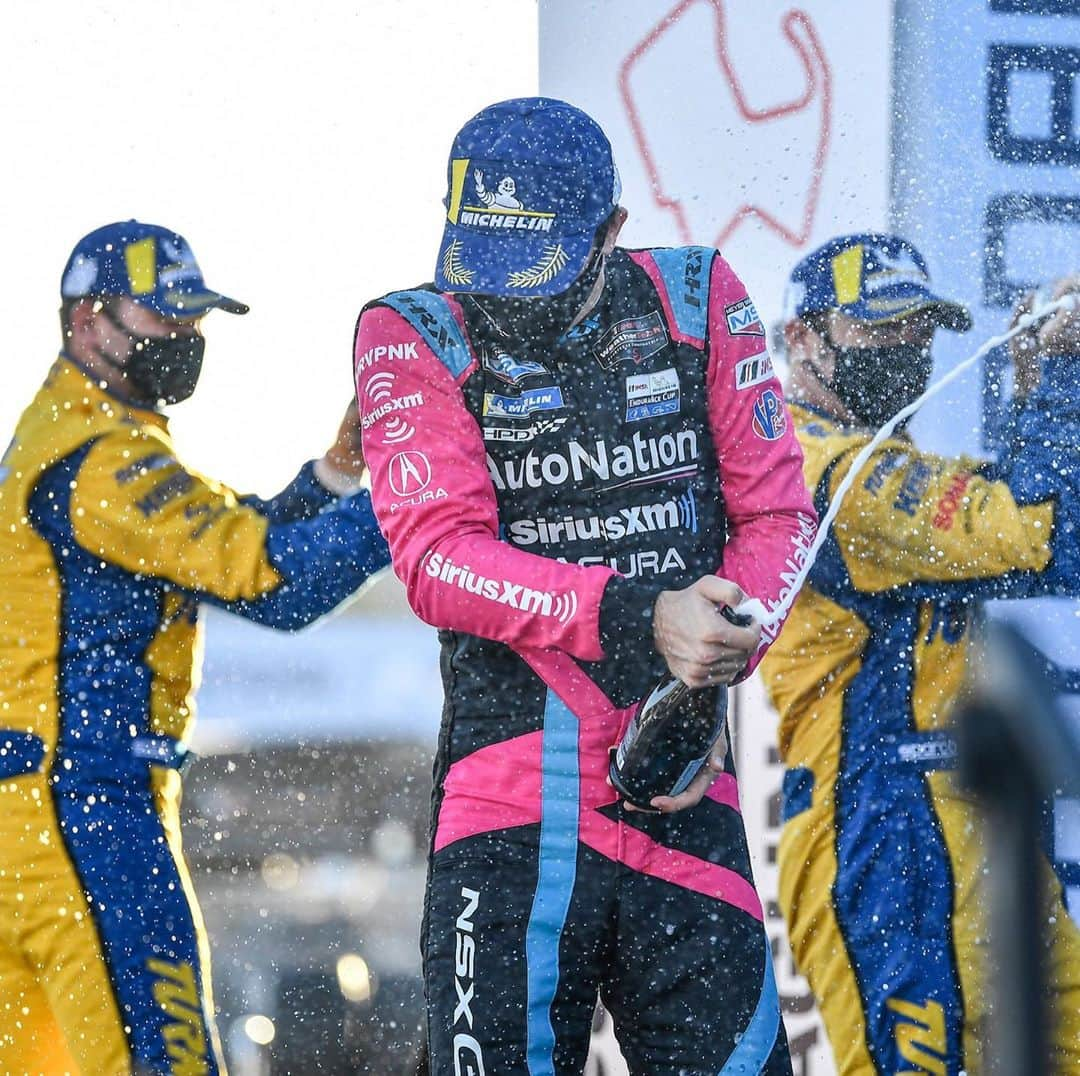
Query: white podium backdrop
{"points": [[763, 129]]}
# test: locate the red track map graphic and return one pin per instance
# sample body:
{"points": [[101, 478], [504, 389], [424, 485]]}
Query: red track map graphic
{"points": [[810, 111]]}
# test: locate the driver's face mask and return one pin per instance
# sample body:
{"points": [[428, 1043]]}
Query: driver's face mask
{"points": [[158, 368], [537, 323], [874, 383]]}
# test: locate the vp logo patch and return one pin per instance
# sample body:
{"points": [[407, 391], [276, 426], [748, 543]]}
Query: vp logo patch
{"points": [[770, 419]]}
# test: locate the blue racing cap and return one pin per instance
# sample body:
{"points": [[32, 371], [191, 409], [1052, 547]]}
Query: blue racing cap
{"points": [[870, 277], [529, 182], [153, 266]]}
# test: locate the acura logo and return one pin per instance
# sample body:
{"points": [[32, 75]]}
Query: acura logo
{"points": [[410, 473]]}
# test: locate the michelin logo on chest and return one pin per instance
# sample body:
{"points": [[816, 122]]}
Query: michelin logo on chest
{"points": [[529, 402], [653, 394]]}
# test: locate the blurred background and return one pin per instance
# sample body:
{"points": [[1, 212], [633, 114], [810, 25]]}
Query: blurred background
{"points": [[301, 148]]}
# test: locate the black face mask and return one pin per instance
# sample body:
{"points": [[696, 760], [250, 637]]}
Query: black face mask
{"points": [[873, 383], [536, 324], [160, 368]]}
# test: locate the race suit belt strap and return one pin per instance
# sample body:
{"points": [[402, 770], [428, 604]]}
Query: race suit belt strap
{"points": [[23, 752]]}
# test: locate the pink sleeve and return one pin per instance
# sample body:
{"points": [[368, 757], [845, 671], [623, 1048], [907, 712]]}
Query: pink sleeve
{"points": [[771, 517], [436, 506]]}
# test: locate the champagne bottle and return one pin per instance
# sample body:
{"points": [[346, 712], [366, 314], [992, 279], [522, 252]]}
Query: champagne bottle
{"points": [[667, 742], [669, 738]]}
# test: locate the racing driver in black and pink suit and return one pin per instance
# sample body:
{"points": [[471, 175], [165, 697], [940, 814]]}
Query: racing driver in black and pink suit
{"points": [[579, 454]]}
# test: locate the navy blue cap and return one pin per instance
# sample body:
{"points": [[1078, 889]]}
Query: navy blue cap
{"points": [[529, 182], [870, 277], [152, 265]]}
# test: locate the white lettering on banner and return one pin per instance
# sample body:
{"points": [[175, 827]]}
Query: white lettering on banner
{"points": [[563, 607], [673, 514], [801, 541], [643, 459], [466, 1048], [389, 352], [645, 561]]}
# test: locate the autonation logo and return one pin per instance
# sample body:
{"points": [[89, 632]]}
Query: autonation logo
{"points": [[642, 459]]}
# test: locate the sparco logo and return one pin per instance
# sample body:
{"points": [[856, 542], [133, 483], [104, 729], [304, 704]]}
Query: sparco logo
{"points": [[644, 459], [410, 473], [678, 512], [468, 1059], [516, 595]]}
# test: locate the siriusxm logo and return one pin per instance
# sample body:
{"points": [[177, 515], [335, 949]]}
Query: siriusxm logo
{"points": [[643, 459], [563, 607], [678, 513]]}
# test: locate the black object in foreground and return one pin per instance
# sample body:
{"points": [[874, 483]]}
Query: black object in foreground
{"points": [[1015, 750], [670, 737]]}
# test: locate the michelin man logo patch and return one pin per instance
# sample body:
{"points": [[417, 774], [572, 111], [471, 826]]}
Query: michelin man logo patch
{"points": [[504, 195]]}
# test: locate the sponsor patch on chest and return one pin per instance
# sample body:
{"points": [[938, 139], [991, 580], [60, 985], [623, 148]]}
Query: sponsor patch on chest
{"points": [[652, 394], [530, 401], [631, 340], [506, 367]]}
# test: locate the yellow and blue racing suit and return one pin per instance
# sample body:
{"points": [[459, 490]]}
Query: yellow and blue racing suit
{"points": [[881, 862], [107, 547]]}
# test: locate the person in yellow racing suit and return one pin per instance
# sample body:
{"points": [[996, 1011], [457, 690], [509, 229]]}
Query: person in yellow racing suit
{"points": [[108, 546], [881, 862]]}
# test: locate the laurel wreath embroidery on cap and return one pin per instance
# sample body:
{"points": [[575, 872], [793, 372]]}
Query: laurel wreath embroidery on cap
{"points": [[453, 270], [551, 262]]}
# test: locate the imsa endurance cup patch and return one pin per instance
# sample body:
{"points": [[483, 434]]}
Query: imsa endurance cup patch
{"points": [[631, 340], [652, 394], [743, 319]]}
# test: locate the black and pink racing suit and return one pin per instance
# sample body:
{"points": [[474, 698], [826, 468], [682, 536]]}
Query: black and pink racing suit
{"points": [[535, 504]]}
